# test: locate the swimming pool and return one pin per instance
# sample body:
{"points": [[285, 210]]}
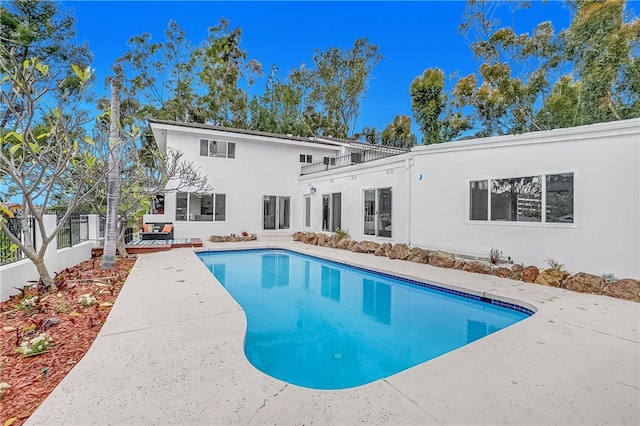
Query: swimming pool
{"points": [[324, 325]]}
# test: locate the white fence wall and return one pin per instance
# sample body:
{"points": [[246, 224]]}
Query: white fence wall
{"points": [[18, 274]]}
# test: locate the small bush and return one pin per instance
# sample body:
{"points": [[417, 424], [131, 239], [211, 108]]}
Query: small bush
{"points": [[342, 233], [495, 255]]}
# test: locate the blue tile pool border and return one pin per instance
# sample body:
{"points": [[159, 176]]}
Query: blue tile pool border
{"points": [[500, 303]]}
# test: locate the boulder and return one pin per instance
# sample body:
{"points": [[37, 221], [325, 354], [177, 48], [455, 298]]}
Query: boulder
{"points": [[352, 244], [530, 274], [334, 239], [502, 272], [383, 250], [297, 236], [551, 277], [399, 251], [516, 272], [585, 283], [308, 238], [343, 243], [625, 289], [216, 239], [442, 259], [323, 240], [477, 267], [365, 247], [459, 264], [417, 255]]}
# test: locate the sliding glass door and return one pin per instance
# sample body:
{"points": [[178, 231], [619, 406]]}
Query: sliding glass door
{"points": [[378, 212], [276, 212]]}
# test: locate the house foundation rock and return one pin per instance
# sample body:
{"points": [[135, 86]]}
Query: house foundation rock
{"points": [[552, 277], [399, 251], [585, 283], [627, 288]]}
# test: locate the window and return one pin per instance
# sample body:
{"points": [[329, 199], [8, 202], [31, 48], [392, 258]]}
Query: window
{"points": [[304, 158], [560, 198], [200, 207], [479, 200], [521, 199], [157, 204], [221, 149], [517, 199], [307, 211]]}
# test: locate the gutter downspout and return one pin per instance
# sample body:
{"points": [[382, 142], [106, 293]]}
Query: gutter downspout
{"points": [[408, 163]]}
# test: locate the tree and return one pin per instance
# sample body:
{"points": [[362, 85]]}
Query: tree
{"points": [[221, 65], [47, 156], [398, 133], [113, 180], [604, 51], [279, 108], [43, 30], [336, 86]]}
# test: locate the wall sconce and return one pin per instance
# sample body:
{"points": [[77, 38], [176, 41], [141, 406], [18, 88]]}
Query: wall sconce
{"points": [[312, 189]]}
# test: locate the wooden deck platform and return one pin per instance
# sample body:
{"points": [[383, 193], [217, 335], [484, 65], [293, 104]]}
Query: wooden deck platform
{"points": [[152, 246]]}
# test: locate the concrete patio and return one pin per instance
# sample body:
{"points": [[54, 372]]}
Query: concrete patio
{"points": [[171, 352]]}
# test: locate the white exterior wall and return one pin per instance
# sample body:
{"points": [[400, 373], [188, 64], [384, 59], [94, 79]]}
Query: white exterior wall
{"points": [[261, 167], [351, 182], [605, 160]]}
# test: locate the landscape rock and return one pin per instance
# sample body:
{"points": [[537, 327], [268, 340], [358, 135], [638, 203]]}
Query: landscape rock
{"points": [[308, 238], [365, 247], [232, 238], [530, 274], [585, 283], [352, 244], [477, 267], [297, 236], [399, 251], [442, 259], [418, 255], [383, 250], [322, 240], [502, 272], [627, 288], [459, 264], [334, 239], [343, 243], [551, 277], [516, 272]]}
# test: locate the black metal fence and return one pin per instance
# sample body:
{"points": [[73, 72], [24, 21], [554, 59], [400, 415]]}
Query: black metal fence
{"points": [[361, 155], [8, 251], [74, 231]]}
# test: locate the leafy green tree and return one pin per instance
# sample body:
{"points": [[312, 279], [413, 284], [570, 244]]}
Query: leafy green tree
{"points": [[605, 52], [221, 67], [43, 30], [279, 108], [398, 133], [336, 86], [45, 157]]}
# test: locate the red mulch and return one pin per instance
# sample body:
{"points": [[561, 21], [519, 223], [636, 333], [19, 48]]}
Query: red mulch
{"points": [[72, 335]]}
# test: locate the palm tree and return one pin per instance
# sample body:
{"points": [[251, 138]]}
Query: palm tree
{"points": [[113, 181]]}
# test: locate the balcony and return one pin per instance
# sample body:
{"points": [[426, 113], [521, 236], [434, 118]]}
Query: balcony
{"points": [[357, 155]]}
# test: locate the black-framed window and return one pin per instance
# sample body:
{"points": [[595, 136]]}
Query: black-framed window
{"points": [[201, 207], [220, 149]]}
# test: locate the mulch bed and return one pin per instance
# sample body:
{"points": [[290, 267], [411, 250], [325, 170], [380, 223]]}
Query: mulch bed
{"points": [[61, 316]]}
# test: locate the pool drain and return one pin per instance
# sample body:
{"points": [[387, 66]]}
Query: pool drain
{"points": [[337, 356]]}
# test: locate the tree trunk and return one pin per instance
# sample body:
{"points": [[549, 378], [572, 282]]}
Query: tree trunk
{"points": [[120, 244], [45, 277], [113, 182]]}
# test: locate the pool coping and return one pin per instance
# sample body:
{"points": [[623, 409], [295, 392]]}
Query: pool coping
{"points": [[171, 351]]}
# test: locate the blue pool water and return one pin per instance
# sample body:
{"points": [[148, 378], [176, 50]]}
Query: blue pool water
{"points": [[324, 325]]}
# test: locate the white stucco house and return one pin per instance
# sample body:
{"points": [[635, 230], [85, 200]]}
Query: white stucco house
{"points": [[571, 195]]}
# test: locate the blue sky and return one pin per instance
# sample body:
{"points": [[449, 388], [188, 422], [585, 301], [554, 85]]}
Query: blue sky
{"points": [[412, 36]]}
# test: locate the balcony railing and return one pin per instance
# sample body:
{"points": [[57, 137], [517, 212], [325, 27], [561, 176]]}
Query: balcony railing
{"points": [[360, 155]]}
